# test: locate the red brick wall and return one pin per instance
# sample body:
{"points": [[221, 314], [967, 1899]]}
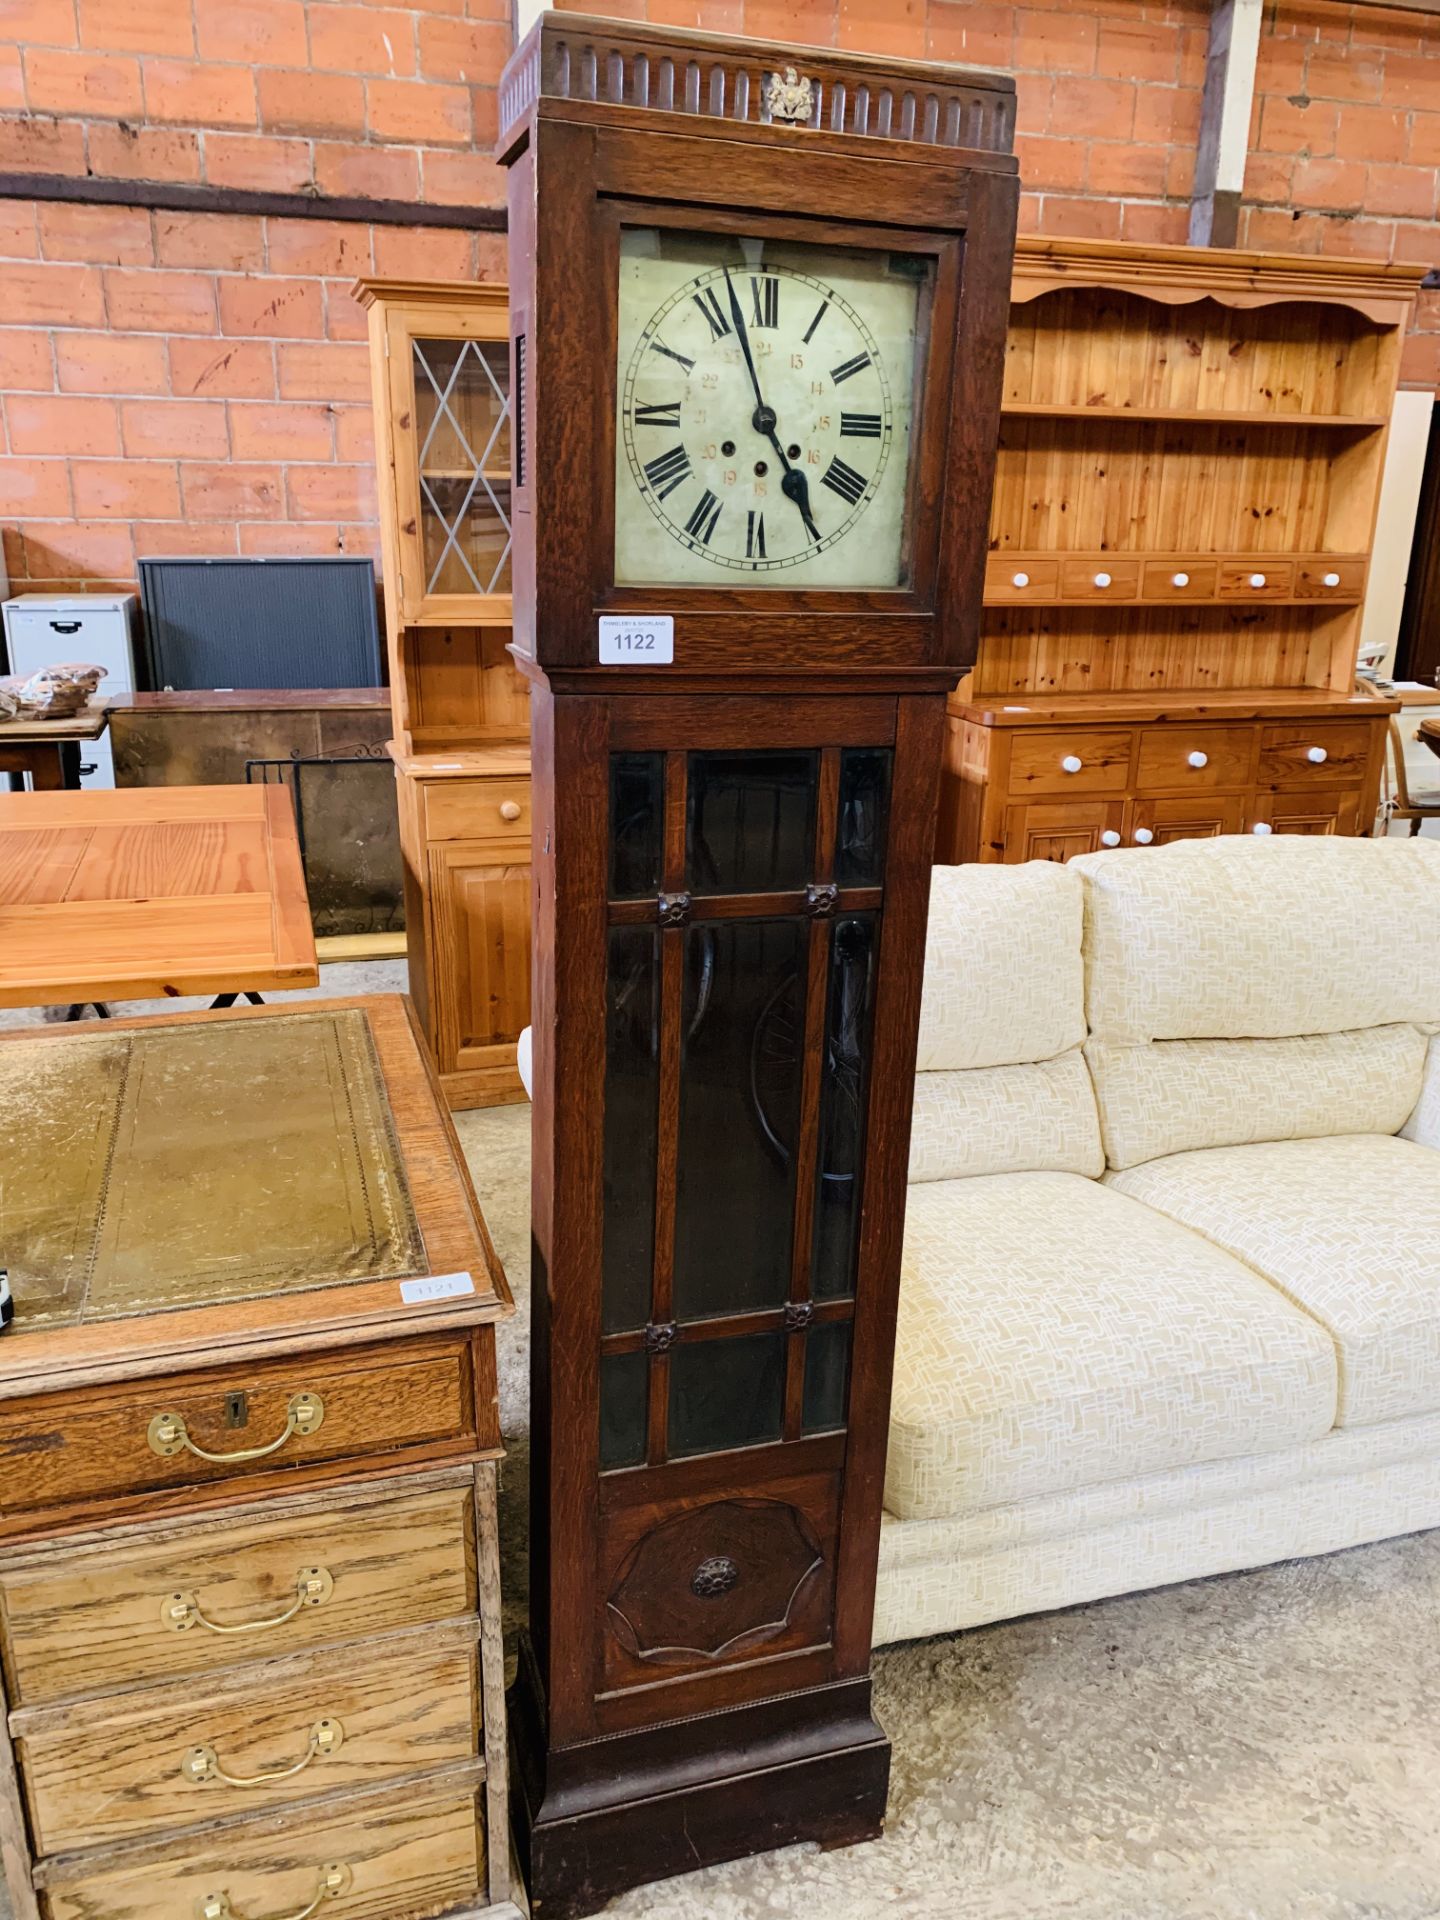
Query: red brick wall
{"points": [[196, 383]]}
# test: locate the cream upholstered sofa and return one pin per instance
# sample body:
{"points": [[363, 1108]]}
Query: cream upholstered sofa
{"points": [[1171, 1293]]}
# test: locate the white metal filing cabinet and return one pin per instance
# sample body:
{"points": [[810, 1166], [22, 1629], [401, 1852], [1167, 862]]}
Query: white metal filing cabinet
{"points": [[97, 628]]}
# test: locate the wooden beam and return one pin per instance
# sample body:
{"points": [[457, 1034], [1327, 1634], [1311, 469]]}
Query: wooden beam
{"points": [[1225, 122], [171, 197]]}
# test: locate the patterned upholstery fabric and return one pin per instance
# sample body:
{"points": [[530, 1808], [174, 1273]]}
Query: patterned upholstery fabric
{"points": [[1423, 1126], [1177, 1095], [1038, 1118], [1004, 979], [1054, 1335], [1368, 1483], [1239, 937], [1347, 1227]]}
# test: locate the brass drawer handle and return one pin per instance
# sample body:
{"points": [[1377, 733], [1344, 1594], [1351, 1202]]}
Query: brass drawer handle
{"points": [[313, 1587], [168, 1436], [203, 1763], [335, 1878]]}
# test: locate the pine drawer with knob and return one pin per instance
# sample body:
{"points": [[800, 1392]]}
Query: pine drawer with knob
{"points": [[477, 810]]}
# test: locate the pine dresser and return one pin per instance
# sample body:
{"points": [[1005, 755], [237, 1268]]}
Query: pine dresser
{"points": [[249, 1583]]}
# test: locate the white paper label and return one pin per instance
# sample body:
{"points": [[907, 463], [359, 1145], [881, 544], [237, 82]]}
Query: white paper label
{"points": [[637, 639], [435, 1286]]}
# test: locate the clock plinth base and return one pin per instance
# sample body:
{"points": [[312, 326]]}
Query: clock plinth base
{"points": [[595, 1820]]}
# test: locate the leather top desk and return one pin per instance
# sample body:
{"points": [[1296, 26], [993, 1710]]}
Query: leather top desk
{"points": [[151, 893], [249, 1577]]}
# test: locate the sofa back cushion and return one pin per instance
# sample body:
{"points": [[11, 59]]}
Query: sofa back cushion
{"points": [[1175, 1096], [1002, 1086], [1260, 938], [1036, 1118]]}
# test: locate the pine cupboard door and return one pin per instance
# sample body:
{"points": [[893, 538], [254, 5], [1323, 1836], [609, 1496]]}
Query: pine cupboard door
{"points": [[1059, 829], [1184, 817], [480, 952], [449, 376], [1311, 810]]}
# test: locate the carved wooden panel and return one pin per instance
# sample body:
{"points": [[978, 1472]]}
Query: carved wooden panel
{"points": [[713, 1582]]}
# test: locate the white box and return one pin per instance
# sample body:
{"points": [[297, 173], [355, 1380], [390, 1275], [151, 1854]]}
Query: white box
{"points": [[97, 628]]}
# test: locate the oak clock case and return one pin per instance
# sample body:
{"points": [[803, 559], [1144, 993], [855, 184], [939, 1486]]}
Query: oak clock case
{"points": [[732, 856]]}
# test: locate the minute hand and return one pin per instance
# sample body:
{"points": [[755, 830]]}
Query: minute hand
{"points": [[794, 485]]}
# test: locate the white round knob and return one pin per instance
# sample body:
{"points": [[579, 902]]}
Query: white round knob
{"points": [[1198, 759], [1102, 579], [1257, 579], [1072, 763], [1109, 838], [1019, 579], [509, 809], [1261, 826], [1317, 756], [1179, 579], [1143, 836], [1332, 580]]}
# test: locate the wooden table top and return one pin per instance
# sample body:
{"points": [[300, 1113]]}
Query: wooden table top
{"points": [[87, 724], [146, 893]]}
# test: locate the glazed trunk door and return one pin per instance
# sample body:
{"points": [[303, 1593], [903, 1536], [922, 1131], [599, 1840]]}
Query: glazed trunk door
{"points": [[746, 896]]}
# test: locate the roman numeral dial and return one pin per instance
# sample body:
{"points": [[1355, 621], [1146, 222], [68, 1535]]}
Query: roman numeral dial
{"points": [[735, 458]]}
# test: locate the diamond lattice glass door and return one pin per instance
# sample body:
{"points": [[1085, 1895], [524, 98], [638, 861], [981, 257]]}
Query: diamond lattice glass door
{"points": [[462, 428]]}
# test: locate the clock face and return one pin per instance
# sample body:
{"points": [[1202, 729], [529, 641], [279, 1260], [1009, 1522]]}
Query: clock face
{"points": [[765, 405]]}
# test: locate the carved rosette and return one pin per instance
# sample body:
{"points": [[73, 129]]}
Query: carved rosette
{"points": [[673, 909], [820, 899], [798, 1315], [661, 1336], [713, 1582]]}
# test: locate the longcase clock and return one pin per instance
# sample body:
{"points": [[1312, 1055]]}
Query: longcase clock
{"points": [[758, 308]]}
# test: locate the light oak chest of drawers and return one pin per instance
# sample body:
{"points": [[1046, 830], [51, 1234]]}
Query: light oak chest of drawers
{"points": [[249, 1580]]}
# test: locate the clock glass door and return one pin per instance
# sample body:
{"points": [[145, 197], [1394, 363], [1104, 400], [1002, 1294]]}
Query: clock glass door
{"points": [[746, 895], [766, 402]]}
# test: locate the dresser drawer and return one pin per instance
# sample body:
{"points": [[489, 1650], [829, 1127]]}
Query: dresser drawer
{"points": [[1256, 579], [1066, 760], [1326, 579], [477, 810], [1012, 580], [267, 1580], [1099, 578], [1179, 580], [359, 1403], [252, 1741], [1194, 759], [391, 1858], [1302, 752]]}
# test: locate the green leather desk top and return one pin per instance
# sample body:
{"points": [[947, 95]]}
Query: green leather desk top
{"points": [[160, 1166]]}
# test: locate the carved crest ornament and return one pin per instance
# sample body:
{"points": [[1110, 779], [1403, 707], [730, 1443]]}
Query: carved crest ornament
{"points": [[788, 97]]}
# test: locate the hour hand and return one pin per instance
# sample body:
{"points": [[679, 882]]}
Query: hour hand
{"points": [[796, 487]]}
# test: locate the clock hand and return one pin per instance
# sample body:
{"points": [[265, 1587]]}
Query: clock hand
{"points": [[793, 485], [763, 419]]}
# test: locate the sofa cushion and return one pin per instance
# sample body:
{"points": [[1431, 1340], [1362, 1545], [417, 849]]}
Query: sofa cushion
{"points": [[1039, 1117], [1349, 1228], [1004, 978], [1173, 1096], [1246, 938], [1054, 1334]]}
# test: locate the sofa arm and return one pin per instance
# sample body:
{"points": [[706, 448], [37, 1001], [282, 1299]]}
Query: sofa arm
{"points": [[1423, 1126]]}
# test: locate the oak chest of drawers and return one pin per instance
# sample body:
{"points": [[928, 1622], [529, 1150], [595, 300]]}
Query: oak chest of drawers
{"points": [[249, 1585]]}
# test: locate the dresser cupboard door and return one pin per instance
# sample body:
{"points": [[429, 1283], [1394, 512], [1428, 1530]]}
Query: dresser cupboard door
{"points": [[480, 927], [1058, 830], [1183, 817], [1312, 810]]}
